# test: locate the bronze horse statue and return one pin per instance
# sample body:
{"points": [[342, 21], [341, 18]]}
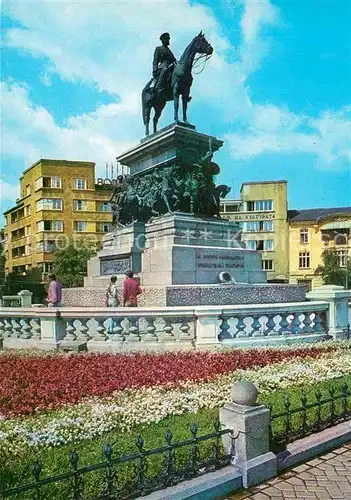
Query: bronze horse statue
{"points": [[180, 82]]}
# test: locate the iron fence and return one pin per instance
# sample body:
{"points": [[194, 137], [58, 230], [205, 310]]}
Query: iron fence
{"points": [[309, 417], [130, 476]]}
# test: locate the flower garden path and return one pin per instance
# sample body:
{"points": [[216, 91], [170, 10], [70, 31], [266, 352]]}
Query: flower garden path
{"points": [[326, 477]]}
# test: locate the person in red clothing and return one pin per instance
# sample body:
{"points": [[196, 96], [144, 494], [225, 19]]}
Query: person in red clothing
{"points": [[131, 290]]}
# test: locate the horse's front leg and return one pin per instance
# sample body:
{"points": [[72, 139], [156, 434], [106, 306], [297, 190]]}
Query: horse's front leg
{"points": [[185, 100], [176, 102]]}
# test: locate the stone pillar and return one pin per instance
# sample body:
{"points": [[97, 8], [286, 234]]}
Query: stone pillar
{"points": [[207, 328], [26, 298], [53, 331], [337, 298], [250, 425]]}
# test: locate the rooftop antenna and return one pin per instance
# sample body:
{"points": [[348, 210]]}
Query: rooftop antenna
{"points": [[106, 177], [111, 170]]}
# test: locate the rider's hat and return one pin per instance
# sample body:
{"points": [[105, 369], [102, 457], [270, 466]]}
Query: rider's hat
{"points": [[164, 35]]}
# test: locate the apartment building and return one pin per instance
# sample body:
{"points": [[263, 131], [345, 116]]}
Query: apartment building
{"points": [[59, 200]]}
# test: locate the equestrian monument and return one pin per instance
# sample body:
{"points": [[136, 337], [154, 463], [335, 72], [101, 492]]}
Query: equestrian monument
{"points": [[166, 211]]}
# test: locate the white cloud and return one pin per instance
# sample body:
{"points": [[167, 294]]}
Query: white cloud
{"points": [[110, 45], [276, 130], [8, 192]]}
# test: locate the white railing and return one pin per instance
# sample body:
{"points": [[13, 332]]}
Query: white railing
{"points": [[135, 329]]}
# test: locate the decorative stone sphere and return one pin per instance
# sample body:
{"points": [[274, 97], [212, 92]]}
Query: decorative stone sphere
{"points": [[244, 393]]}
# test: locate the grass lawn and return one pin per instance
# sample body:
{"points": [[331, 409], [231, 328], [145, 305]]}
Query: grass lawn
{"points": [[56, 460]]}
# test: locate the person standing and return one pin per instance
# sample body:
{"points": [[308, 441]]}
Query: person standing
{"points": [[112, 301], [54, 292], [131, 290]]}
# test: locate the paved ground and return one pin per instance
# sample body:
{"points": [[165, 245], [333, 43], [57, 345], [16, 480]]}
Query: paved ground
{"points": [[326, 477]]}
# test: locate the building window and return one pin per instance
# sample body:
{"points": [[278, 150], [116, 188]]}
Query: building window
{"points": [[105, 227], [46, 267], [27, 230], [28, 189], [49, 204], [340, 239], [267, 265], [251, 244], [342, 256], [80, 226], [268, 245], [251, 227], [50, 225], [260, 206], [80, 184], [79, 205], [27, 210], [56, 182], [267, 225], [105, 207], [303, 235], [304, 260]]}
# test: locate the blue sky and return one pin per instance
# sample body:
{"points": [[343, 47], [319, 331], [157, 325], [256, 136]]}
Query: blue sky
{"points": [[277, 89]]}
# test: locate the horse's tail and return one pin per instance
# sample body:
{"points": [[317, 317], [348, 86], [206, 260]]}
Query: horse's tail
{"points": [[146, 97]]}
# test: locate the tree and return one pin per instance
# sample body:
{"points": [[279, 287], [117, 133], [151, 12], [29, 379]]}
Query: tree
{"points": [[70, 263], [331, 271]]}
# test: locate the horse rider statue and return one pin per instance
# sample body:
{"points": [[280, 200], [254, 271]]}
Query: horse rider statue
{"points": [[162, 67]]}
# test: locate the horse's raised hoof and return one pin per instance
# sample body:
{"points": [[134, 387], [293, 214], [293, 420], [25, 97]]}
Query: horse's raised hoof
{"points": [[189, 98]]}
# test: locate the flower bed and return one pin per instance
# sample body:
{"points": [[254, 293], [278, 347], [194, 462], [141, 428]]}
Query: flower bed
{"points": [[34, 383]]}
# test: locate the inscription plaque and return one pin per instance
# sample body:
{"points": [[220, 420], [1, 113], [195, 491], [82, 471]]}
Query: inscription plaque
{"points": [[219, 261], [114, 266]]}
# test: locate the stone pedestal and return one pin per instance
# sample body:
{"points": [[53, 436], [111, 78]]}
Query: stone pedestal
{"points": [[171, 143], [185, 250], [337, 298], [121, 250], [250, 426]]}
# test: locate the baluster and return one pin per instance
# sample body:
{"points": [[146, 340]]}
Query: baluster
{"points": [[318, 328], [344, 395], [117, 330], [303, 399], [167, 329], [287, 415], [70, 330], [332, 404], [184, 328], [141, 467], [150, 335], [36, 471], [194, 452], [307, 321], [8, 328], [26, 329], [110, 481], [83, 331], [100, 330], [256, 326], [224, 328], [270, 331], [16, 328], [216, 447], [318, 421], [295, 326], [78, 485], [241, 326], [170, 471], [36, 329], [283, 323], [133, 330]]}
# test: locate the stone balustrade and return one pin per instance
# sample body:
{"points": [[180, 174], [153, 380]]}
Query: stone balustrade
{"points": [[141, 329]]}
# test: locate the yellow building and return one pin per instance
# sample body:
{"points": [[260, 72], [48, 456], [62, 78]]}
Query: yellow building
{"points": [[58, 200], [310, 233], [262, 212], [291, 241]]}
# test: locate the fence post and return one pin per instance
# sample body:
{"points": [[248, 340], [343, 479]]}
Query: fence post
{"points": [[337, 298], [250, 425]]}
